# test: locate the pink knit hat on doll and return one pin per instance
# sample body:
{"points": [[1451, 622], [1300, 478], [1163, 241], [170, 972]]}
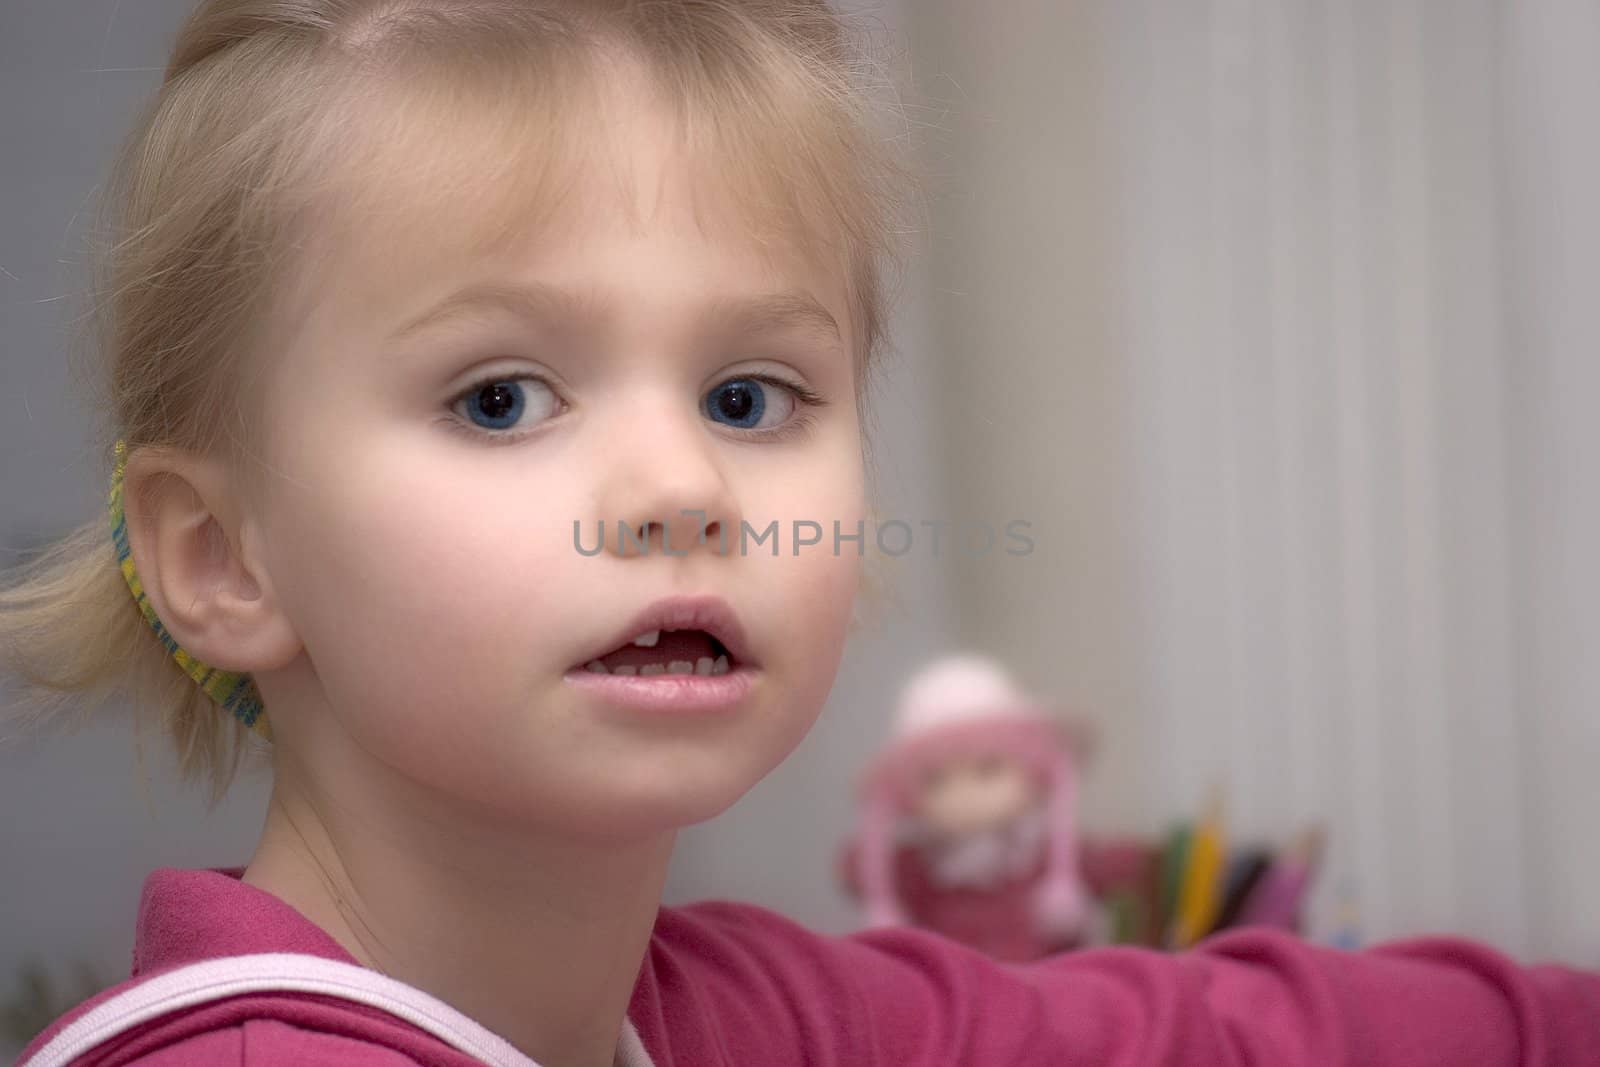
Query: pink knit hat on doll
{"points": [[967, 705]]}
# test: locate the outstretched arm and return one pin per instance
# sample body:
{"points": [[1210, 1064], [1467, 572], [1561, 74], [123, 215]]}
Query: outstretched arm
{"points": [[778, 993]]}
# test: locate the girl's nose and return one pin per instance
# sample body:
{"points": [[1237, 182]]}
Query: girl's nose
{"points": [[664, 484]]}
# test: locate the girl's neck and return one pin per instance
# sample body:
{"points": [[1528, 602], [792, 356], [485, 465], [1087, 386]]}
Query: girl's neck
{"points": [[538, 939]]}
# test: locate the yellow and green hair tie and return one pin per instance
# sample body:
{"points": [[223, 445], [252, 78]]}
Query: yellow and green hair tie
{"points": [[235, 692]]}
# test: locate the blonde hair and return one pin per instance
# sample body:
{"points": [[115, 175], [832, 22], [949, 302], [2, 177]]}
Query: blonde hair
{"points": [[265, 123]]}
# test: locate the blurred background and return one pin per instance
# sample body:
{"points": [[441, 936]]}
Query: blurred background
{"points": [[1278, 321]]}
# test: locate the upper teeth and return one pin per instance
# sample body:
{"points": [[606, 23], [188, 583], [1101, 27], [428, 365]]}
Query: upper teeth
{"points": [[648, 639]]}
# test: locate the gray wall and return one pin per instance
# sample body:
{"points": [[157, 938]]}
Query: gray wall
{"points": [[83, 823], [1033, 386]]}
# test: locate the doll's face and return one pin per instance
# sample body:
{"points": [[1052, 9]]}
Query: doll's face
{"points": [[970, 796], [420, 531]]}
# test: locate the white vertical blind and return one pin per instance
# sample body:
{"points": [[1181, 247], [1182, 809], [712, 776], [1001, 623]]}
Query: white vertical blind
{"points": [[1324, 367], [1551, 276]]}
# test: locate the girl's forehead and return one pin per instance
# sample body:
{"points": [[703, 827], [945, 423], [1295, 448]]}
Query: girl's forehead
{"points": [[443, 201]]}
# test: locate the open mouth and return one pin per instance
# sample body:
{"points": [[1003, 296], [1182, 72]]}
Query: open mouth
{"points": [[666, 652]]}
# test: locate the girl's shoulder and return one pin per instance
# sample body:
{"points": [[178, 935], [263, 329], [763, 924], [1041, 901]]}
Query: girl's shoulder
{"points": [[224, 973], [177, 1018], [259, 1043]]}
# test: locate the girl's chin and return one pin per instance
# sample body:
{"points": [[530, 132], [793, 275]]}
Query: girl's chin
{"points": [[646, 783], [642, 813]]}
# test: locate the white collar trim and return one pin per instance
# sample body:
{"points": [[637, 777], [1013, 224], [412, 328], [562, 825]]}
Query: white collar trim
{"points": [[230, 976]]}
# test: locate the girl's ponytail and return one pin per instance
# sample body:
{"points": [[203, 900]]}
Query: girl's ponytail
{"points": [[73, 639]]}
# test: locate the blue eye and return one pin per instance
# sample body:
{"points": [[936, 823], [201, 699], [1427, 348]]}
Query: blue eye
{"points": [[501, 403], [743, 402], [504, 408]]}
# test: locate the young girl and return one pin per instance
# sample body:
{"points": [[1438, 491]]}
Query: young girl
{"points": [[408, 299]]}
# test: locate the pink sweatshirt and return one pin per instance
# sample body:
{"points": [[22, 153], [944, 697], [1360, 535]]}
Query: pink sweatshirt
{"points": [[736, 985]]}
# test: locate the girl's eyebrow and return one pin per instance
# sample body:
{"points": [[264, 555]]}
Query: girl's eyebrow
{"points": [[537, 300], [760, 313], [773, 313]]}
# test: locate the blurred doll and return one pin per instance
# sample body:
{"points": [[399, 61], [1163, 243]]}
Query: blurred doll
{"points": [[969, 818]]}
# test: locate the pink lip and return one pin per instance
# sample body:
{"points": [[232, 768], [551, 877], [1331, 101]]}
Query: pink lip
{"points": [[709, 613], [676, 694], [679, 694]]}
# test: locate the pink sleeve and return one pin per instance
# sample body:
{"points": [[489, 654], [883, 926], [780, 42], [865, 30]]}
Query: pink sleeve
{"points": [[269, 1043], [1248, 997]]}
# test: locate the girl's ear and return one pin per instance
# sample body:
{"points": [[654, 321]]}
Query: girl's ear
{"points": [[196, 559]]}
